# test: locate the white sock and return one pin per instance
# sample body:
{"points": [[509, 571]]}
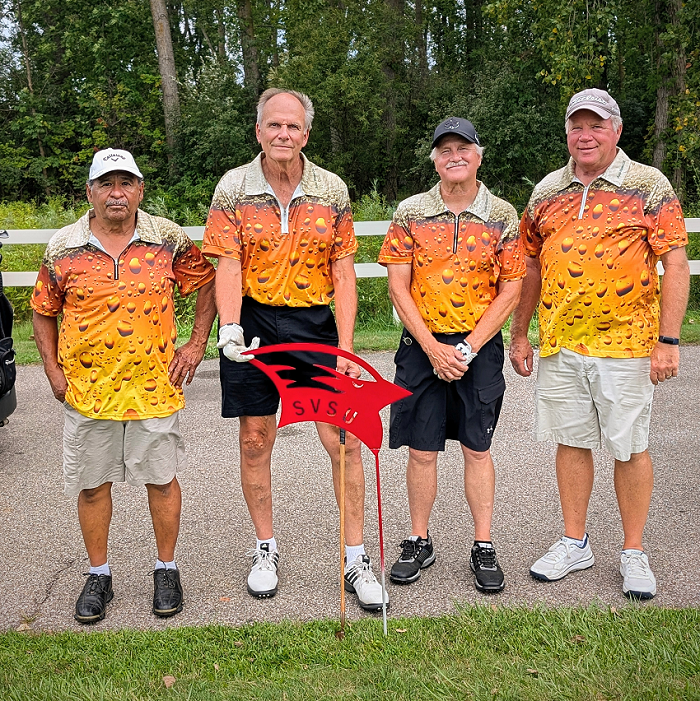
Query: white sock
{"points": [[102, 569], [270, 541], [580, 543], [160, 565], [352, 552]]}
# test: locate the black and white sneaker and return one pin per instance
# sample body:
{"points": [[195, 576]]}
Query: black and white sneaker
{"points": [[488, 575], [360, 580], [262, 580], [416, 554]]}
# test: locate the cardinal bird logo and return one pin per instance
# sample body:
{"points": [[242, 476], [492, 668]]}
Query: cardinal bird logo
{"points": [[311, 391]]}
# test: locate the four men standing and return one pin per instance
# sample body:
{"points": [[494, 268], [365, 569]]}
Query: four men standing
{"points": [[282, 230]]}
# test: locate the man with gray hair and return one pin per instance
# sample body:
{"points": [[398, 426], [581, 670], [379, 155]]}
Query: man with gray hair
{"points": [[282, 230], [455, 264], [594, 231], [114, 366]]}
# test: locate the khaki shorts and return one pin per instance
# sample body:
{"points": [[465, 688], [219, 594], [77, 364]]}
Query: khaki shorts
{"points": [[96, 451], [583, 401]]}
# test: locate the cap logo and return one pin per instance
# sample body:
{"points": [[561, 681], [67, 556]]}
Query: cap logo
{"points": [[113, 157], [451, 124], [589, 98]]}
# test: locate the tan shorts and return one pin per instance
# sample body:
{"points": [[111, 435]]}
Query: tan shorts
{"points": [[582, 401], [96, 451]]}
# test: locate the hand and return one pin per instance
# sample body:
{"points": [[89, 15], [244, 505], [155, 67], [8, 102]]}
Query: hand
{"points": [[347, 367], [185, 362], [521, 355], [58, 383], [448, 363], [232, 343], [664, 362]]}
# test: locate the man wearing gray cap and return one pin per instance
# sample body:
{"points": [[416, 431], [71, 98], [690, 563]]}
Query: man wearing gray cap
{"points": [[593, 232], [455, 263], [114, 366]]}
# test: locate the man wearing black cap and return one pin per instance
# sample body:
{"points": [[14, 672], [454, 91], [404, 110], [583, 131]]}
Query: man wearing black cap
{"points": [[593, 233], [455, 263]]}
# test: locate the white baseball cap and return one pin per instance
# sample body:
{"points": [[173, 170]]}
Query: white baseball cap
{"points": [[110, 159], [595, 100]]}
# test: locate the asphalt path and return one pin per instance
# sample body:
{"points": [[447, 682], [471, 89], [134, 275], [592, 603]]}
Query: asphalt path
{"points": [[42, 556]]}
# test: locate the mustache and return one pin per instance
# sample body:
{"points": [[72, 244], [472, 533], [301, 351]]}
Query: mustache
{"points": [[117, 203], [454, 164]]}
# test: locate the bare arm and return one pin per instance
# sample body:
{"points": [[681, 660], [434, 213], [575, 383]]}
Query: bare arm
{"points": [[345, 285], [521, 354], [229, 290], [189, 356], [497, 313], [46, 337], [674, 299], [445, 359]]}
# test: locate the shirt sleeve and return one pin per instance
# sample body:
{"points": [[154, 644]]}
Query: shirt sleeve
{"points": [[191, 269], [48, 294], [664, 217], [530, 234], [398, 242], [222, 233], [511, 251], [344, 240]]}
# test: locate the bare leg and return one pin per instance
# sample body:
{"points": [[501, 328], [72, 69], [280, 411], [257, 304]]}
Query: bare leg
{"points": [[95, 514], [421, 482], [575, 480], [165, 503], [354, 479], [257, 438], [479, 488], [634, 482]]}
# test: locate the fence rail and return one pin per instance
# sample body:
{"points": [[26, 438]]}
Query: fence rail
{"points": [[363, 228]]}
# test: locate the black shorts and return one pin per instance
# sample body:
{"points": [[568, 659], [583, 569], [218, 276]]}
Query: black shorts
{"points": [[465, 410], [247, 391]]}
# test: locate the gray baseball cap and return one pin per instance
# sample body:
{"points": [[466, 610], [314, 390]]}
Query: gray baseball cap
{"points": [[456, 125], [110, 159], [595, 100]]}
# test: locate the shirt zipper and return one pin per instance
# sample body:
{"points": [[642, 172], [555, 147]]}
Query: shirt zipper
{"points": [[454, 243], [583, 200]]}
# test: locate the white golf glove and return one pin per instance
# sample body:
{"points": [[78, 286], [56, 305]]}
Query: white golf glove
{"points": [[231, 341]]}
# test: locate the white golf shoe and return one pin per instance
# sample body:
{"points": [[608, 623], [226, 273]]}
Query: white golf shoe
{"points": [[638, 580], [360, 580], [563, 557], [262, 580]]}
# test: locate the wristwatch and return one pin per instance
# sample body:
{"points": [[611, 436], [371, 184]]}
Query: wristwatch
{"points": [[466, 350], [670, 340]]}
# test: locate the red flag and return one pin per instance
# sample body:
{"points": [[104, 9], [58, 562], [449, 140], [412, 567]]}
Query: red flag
{"points": [[314, 392]]}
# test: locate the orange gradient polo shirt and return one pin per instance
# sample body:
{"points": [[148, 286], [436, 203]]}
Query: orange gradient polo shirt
{"points": [[598, 247], [286, 255], [457, 260], [117, 335]]}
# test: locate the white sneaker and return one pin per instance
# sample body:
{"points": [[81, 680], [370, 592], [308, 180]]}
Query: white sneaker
{"points": [[360, 580], [262, 580], [563, 557], [638, 579]]}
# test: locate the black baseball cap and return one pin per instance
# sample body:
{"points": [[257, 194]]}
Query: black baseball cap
{"points": [[459, 126]]}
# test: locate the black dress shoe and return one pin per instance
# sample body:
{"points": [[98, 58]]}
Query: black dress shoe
{"points": [[167, 593], [92, 602]]}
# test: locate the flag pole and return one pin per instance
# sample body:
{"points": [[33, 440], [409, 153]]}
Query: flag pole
{"points": [[341, 502]]}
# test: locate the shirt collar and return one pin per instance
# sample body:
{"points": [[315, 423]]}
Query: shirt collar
{"points": [[615, 173], [256, 183], [480, 207], [146, 228]]}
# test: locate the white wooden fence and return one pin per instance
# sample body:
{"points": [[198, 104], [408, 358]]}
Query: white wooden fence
{"points": [[367, 228]]}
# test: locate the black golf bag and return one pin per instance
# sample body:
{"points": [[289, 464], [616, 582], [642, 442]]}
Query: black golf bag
{"points": [[8, 398]]}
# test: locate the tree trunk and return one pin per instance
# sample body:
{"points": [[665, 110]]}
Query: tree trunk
{"points": [[221, 29], [168, 76], [251, 69]]}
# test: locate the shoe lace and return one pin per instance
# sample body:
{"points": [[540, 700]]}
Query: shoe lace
{"points": [[262, 559], [558, 551], [636, 567], [94, 584], [486, 558], [167, 578], [364, 571], [409, 549]]}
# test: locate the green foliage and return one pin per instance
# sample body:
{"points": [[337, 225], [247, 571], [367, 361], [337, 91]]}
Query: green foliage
{"points": [[532, 654]]}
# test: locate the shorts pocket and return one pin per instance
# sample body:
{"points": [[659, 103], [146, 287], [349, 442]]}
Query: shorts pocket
{"points": [[491, 399]]}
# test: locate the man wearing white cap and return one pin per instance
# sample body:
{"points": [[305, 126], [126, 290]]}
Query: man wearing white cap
{"points": [[114, 366], [594, 231]]}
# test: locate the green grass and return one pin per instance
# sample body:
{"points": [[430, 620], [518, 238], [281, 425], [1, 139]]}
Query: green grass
{"points": [[482, 653]]}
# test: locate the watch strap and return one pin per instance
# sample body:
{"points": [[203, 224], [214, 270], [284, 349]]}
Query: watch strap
{"points": [[670, 340]]}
